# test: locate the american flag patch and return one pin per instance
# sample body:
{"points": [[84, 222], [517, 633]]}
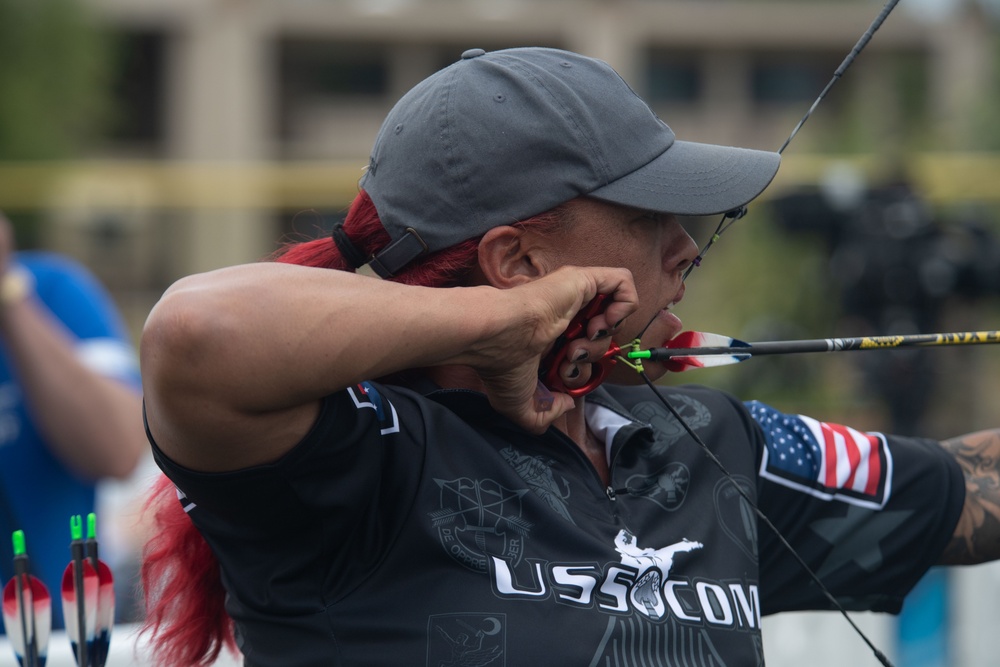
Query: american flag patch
{"points": [[365, 395], [828, 461]]}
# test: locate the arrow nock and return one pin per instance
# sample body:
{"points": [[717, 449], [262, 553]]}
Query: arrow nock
{"points": [[18, 539], [76, 527], [632, 356]]}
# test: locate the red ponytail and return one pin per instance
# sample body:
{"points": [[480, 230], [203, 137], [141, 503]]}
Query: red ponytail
{"points": [[184, 598], [444, 268], [185, 614]]}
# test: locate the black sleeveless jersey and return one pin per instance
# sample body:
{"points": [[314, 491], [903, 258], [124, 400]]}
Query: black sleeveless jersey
{"points": [[426, 530]]}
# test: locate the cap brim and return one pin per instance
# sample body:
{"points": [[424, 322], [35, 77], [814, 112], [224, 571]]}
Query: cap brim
{"points": [[694, 179]]}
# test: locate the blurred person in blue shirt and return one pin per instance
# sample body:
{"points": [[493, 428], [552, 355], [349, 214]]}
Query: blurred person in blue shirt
{"points": [[70, 408]]}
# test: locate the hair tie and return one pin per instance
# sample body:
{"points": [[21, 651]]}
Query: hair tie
{"points": [[350, 252]]}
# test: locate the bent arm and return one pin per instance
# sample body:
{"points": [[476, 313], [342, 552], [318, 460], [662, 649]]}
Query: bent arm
{"points": [[977, 535], [235, 361], [92, 423]]}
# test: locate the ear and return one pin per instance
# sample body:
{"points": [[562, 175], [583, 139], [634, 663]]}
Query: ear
{"points": [[509, 256]]}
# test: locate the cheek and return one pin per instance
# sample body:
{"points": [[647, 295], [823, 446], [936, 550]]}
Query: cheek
{"points": [[647, 271], [641, 254], [597, 252]]}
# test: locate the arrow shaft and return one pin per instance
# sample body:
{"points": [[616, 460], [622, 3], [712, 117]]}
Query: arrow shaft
{"points": [[832, 345], [76, 549], [28, 630]]}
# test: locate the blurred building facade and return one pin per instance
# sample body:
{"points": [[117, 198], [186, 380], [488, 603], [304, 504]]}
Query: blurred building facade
{"points": [[267, 107]]}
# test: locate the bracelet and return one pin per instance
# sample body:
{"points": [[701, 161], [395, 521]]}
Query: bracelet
{"points": [[15, 285]]}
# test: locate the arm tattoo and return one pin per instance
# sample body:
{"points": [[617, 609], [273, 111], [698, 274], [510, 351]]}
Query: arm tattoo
{"points": [[977, 534]]}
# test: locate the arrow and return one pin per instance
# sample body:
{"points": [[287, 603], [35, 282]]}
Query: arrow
{"points": [[79, 596], [694, 349], [105, 597], [27, 610]]}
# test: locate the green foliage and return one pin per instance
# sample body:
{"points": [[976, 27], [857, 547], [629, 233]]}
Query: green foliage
{"points": [[755, 270], [984, 131], [52, 78], [911, 81], [757, 283]]}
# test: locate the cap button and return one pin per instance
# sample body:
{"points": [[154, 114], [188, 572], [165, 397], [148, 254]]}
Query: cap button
{"points": [[473, 53]]}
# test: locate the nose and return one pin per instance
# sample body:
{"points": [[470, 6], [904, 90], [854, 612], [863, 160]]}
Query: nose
{"points": [[681, 250]]}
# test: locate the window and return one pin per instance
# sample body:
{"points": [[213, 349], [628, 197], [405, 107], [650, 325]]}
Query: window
{"points": [[672, 78], [795, 80], [334, 69], [137, 82]]}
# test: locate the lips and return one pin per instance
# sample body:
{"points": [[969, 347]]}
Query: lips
{"points": [[667, 320], [670, 322]]}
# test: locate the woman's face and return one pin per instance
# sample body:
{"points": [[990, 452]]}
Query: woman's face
{"points": [[653, 246]]}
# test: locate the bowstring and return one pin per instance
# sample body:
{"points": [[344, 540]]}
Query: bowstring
{"points": [[737, 214], [732, 217], [728, 220]]}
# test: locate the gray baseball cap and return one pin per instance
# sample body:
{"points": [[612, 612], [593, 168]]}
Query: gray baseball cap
{"points": [[499, 137]]}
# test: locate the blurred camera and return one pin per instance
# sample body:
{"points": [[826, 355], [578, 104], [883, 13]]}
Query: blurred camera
{"points": [[888, 250]]}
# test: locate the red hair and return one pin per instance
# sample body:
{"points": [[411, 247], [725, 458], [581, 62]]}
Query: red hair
{"points": [[184, 597], [444, 268], [185, 613]]}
